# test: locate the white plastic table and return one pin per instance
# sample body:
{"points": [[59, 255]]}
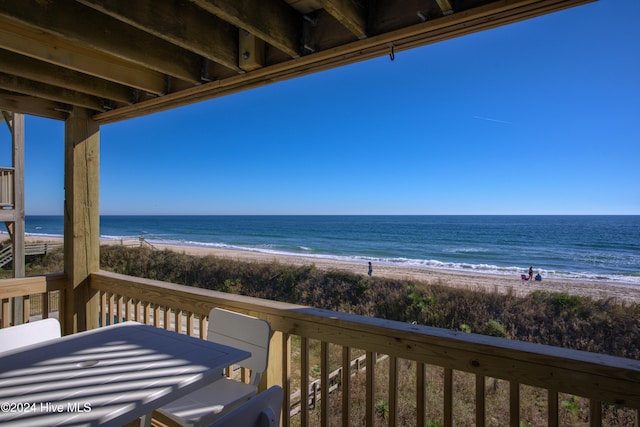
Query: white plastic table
{"points": [[107, 376]]}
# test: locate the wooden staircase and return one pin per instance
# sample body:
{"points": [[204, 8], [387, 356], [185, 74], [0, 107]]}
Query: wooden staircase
{"points": [[6, 254]]}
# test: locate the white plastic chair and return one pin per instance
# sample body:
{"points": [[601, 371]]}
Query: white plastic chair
{"points": [[203, 406], [262, 410], [29, 333]]}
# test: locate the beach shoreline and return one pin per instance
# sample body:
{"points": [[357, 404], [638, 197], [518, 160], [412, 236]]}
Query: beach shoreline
{"points": [[620, 292]]}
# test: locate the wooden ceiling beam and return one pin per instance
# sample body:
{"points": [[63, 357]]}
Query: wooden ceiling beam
{"points": [[88, 28], [350, 13], [202, 33], [29, 68], [445, 6], [54, 50], [273, 21], [24, 104], [52, 93]]}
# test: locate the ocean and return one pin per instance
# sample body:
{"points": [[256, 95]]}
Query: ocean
{"points": [[591, 248]]}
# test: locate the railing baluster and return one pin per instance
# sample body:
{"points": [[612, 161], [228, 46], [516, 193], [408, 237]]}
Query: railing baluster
{"points": [[595, 413], [25, 309], [137, 310], [514, 404], [371, 388], [6, 318], [156, 316], [119, 309], [167, 318], [393, 390], [324, 384], [421, 395], [189, 324], [146, 313], [552, 404], [177, 320], [112, 309], [128, 309], [203, 327], [109, 309], [448, 397], [304, 381], [104, 304], [346, 385], [286, 380], [480, 403], [44, 304]]}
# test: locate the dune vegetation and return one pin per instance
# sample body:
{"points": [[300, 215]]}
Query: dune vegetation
{"points": [[597, 325], [558, 319]]}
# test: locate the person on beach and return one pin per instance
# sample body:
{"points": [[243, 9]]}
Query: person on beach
{"points": [[370, 269], [531, 272]]}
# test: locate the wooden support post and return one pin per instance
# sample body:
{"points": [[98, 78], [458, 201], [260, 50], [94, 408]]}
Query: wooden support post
{"points": [[15, 227], [273, 375], [81, 220], [18, 195], [18, 208]]}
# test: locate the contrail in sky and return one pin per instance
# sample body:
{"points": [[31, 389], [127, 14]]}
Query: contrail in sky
{"points": [[491, 120]]}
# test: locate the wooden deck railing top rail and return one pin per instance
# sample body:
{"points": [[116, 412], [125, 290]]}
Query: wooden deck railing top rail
{"points": [[25, 287], [10, 288]]}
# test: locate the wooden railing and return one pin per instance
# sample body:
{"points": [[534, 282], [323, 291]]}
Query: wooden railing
{"points": [[39, 296], [452, 377], [477, 380]]}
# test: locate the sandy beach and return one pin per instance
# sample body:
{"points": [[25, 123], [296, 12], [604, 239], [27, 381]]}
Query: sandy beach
{"points": [[504, 284]]}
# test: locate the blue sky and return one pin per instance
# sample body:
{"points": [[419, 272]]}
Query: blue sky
{"points": [[538, 117]]}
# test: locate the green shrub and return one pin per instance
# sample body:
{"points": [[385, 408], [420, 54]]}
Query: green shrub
{"points": [[465, 328], [382, 409], [565, 301], [495, 329]]}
